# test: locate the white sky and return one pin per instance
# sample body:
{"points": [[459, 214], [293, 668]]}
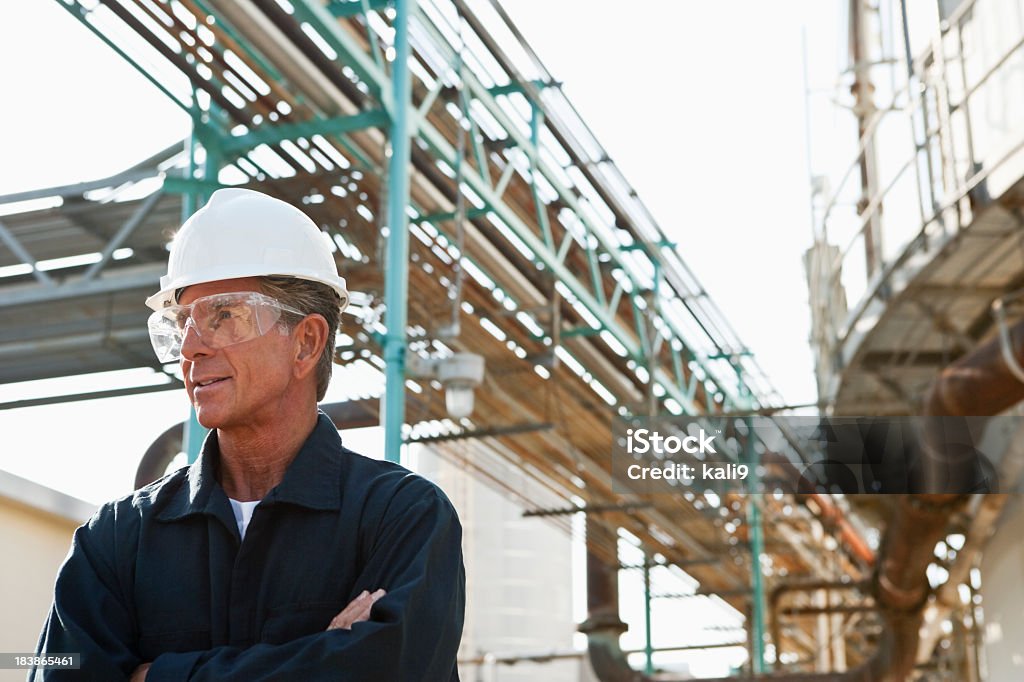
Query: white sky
{"points": [[700, 104]]}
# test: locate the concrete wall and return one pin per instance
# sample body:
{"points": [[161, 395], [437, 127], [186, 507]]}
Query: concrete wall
{"points": [[1002, 570], [519, 581], [36, 525]]}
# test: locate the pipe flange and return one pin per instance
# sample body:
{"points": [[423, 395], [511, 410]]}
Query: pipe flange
{"points": [[933, 504], [602, 623], [896, 600]]}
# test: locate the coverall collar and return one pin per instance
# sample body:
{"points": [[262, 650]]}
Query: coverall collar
{"points": [[312, 480]]}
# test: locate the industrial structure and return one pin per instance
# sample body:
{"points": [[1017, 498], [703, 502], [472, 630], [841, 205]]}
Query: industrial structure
{"points": [[479, 220], [915, 276]]}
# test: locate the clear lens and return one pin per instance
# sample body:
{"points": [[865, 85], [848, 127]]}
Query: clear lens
{"points": [[221, 320]]}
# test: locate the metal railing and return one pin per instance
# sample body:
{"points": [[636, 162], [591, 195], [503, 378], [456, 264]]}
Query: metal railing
{"points": [[941, 86]]}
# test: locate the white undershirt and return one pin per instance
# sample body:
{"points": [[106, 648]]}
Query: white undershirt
{"points": [[243, 514]]}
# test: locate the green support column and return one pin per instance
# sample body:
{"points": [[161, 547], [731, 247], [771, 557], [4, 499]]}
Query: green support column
{"points": [[189, 199], [536, 120], [214, 158], [648, 640], [756, 551], [195, 433], [396, 282]]}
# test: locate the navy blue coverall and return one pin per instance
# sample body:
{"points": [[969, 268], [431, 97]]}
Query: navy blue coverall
{"points": [[161, 576]]}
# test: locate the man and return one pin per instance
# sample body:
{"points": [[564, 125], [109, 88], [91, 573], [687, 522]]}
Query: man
{"points": [[278, 554]]}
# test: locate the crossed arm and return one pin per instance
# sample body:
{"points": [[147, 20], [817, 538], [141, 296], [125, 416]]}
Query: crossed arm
{"points": [[414, 633], [357, 611]]}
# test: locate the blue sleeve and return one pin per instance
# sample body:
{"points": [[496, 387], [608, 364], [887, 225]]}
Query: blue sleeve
{"points": [[413, 633], [90, 615]]}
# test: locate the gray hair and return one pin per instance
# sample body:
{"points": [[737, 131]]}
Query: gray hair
{"points": [[310, 297]]}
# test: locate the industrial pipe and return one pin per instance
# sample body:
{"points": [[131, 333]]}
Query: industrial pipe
{"points": [[831, 515], [978, 384], [780, 590]]}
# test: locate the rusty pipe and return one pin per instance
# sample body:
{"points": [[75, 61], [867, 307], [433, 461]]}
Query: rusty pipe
{"points": [[805, 586], [832, 515], [603, 625], [978, 384], [158, 455]]}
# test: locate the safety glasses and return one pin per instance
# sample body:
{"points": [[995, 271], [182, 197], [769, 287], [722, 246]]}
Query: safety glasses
{"points": [[221, 320]]}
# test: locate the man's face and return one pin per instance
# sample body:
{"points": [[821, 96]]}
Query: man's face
{"points": [[249, 379]]}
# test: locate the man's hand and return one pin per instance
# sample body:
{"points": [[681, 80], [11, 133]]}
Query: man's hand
{"points": [[357, 611], [139, 675]]}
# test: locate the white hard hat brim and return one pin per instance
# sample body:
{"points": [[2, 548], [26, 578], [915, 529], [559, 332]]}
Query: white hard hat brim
{"points": [[167, 294], [245, 233]]}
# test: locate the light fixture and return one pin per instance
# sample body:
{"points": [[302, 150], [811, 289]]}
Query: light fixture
{"points": [[459, 373]]}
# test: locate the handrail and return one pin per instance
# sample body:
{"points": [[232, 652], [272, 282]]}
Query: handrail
{"points": [[968, 187], [953, 195]]}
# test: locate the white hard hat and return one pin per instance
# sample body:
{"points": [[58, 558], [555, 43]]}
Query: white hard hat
{"points": [[243, 233]]}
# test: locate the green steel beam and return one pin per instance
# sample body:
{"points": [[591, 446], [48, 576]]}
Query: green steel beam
{"points": [[728, 356], [231, 32], [677, 368], [188, 199], [345, 44], [595, 278], [639, 246], [349, 53], [516, 137], [371, 39], [505, 143], [648, 639], [441, 148], [451, 215], [352, 8], [195, 433], [125, 231], [515, 87], [691, 386], [427, 102], [506, 177], [757, 609], [478, 150], [352, 55], [580, 331], [616, 295], [641, 329], [536, 119], [396, 277], [173, 385], [563, 248], [79, 12], [374, 118], [190, 188]]}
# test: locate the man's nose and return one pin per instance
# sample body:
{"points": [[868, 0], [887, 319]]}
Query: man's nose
{"points": [[192, 345]]}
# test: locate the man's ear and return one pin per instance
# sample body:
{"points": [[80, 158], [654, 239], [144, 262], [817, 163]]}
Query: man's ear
{"points": [[310, 339]]}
